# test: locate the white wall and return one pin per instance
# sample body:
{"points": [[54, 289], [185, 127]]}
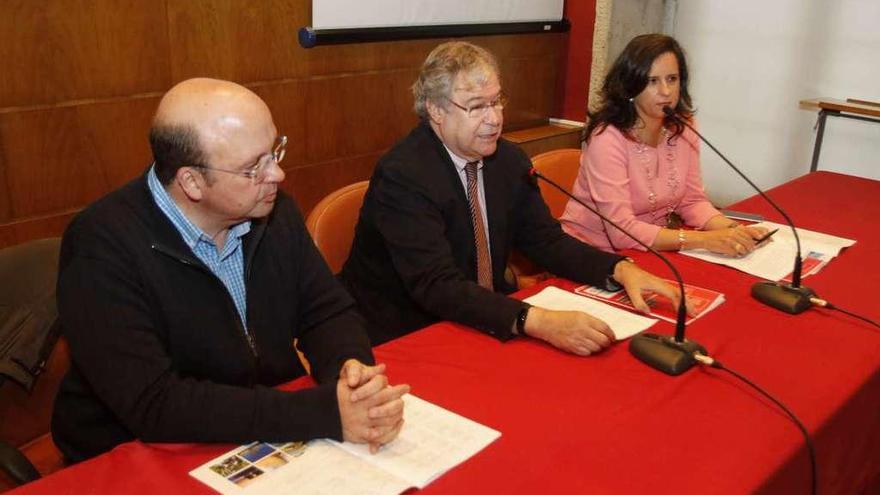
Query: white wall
{"points": [[630, 18], [751, 61], [617, 22]]}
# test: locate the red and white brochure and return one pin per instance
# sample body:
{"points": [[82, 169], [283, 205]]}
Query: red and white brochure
{"points": [[810, 265], [702, 300]]}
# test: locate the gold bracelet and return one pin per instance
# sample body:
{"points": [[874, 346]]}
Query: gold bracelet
{"points": [[681, 239]]}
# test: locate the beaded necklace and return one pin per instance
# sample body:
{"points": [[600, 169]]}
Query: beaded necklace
{"points": [[667, 216]]}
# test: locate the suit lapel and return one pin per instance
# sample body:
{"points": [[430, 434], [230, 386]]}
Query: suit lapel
{"points": [[450, 172]]}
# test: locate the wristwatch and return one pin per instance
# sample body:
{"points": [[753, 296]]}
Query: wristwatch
{"points": [[521, 319], [612, 285]]}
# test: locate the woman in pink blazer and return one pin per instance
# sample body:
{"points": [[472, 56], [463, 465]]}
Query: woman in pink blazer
{"points": [[641, 168]]}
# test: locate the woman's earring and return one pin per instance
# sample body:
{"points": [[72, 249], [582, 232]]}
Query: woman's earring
{"points": [[631, 100]]}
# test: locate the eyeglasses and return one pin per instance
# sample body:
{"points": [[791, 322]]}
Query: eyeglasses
{"points": [[481, 109], [259, 170]]}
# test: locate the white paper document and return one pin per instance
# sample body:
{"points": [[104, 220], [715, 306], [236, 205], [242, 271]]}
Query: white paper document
{"points": [[623, 323], [775, 260], [432, 441]]}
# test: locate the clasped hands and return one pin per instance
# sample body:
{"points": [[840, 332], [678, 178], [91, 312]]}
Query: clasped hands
{"points": [[370, 409]]}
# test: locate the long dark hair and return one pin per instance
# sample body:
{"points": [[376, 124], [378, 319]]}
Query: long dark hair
{"points": [[628, 77]]}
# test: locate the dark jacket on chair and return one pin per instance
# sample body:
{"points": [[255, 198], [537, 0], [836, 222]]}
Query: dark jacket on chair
{"points": [[28, 329]]}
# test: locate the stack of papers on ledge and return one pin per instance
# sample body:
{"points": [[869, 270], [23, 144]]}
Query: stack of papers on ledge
{"points": [[775, 260], [432, 441]]}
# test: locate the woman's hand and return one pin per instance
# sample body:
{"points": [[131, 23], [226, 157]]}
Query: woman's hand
{"points": [[731, 241]]}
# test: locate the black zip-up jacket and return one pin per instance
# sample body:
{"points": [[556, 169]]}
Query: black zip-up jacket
{"points": [[159, 351]]}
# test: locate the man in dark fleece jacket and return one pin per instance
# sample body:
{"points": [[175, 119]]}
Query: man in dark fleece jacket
{"points": [[181, 295]]}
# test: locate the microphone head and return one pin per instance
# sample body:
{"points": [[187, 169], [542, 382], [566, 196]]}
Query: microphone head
{"points": [[668, 111]]}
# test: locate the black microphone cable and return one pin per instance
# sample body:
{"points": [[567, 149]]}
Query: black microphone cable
{"points": [[713, 363], [792, 298], [670, 355], [796, 273], [825, 304]]}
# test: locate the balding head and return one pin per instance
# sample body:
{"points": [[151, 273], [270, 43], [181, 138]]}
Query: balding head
{"points": [[200, 120]]}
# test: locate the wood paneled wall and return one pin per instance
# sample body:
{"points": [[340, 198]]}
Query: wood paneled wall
{"points": [[81, 79]]}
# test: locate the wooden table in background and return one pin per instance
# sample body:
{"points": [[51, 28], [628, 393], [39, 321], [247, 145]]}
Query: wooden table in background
{"points": [[851, 108]]}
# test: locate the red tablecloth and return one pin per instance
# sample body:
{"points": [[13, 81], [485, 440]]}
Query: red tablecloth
{"points": [[607, 423]]}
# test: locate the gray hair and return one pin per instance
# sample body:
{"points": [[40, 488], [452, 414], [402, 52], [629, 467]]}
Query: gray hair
{"points": [[442, 66]]}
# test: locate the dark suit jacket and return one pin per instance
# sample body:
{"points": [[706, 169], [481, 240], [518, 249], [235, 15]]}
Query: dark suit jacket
{"points": [[413, 260]]}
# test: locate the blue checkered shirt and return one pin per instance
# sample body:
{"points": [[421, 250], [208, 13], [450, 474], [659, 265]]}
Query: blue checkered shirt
{"points": [[227, 264]]}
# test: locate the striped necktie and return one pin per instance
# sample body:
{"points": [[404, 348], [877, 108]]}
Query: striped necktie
{"points": [[484, 262]]}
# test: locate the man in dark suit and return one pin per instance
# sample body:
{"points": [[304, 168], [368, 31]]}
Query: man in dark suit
{"points": [[443, 210]]}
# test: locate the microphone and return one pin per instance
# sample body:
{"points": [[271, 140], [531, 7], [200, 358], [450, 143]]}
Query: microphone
{"points": [[791, 298], [671, 355]]}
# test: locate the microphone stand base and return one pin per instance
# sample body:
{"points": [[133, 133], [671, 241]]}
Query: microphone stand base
{"points": [[664, 353], [784, 297]]}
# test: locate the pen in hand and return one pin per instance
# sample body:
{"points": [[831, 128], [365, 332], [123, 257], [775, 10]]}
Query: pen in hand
{"points": [[765, 236]]}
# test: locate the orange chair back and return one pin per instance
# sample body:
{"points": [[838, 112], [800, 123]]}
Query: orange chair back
{"points": [[560, 166], [331, 223]]}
